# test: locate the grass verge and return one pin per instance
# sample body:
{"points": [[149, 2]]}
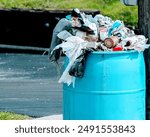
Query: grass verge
{"points": [[112, 8], [12, 116]]}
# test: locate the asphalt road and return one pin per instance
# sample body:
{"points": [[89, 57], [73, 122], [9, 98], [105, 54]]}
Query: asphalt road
{"points": [[28, 85]]}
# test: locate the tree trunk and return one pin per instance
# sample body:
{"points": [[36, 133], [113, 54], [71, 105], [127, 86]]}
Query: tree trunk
{"points": [[144, 28]]}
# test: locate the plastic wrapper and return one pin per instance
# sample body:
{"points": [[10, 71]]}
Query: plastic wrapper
{"points": [[63, 35]]}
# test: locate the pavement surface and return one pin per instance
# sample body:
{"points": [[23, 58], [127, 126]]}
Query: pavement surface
{"points": [[28, 85]]}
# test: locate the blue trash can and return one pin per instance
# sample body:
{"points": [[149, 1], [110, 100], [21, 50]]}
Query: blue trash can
{"points": [[113, 88]]}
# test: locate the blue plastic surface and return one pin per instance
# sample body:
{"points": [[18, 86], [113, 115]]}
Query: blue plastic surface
{"points": [[113, 88]]}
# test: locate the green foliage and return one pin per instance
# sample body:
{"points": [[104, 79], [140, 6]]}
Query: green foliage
{"points": [[12, 116], [113, 8]]}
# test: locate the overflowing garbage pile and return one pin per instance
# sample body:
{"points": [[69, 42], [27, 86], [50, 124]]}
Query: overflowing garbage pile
{"points": [[79, 33]]}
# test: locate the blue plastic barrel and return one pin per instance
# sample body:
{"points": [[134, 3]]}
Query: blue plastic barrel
{"points": [[113, 88]]}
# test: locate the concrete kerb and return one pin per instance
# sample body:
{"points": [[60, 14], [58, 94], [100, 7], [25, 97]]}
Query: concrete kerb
{"points": [[52, 117]]}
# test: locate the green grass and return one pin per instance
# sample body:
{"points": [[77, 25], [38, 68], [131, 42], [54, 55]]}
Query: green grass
{"points": [[112, 8], [12, 116]]}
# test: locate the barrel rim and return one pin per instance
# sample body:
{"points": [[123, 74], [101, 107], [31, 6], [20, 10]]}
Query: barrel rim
{"points": [[115, 52]]}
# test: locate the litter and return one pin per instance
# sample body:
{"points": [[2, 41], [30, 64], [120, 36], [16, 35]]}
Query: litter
{"points": [[111, 42], [78, 34], [62, 25]]}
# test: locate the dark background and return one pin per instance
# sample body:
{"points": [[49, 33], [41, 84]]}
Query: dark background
{"points": [[30, 27]]}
